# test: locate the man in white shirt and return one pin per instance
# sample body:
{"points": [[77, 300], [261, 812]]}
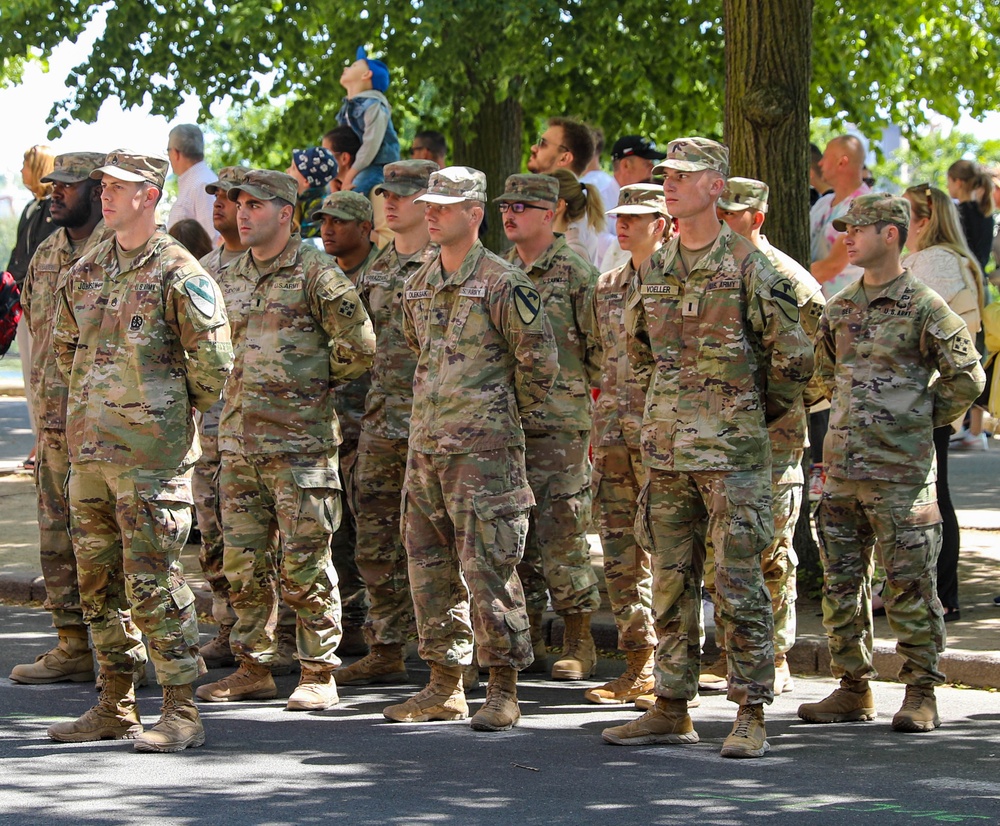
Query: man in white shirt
{"points": [[186, 150]]}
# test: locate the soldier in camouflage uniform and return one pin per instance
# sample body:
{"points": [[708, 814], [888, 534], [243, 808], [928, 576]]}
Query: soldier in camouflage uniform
{"points": [[76, 209], [896, 363], [641, 219], [557, 433], [377, 482], [714, 334], [141, 336], [743, 206], [298, 330], [485, 356], [346, 221]]}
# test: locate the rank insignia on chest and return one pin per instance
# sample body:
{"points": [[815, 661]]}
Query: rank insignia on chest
{"points": [[136, 323], [528, 303], [201, 291], [347, 308]]}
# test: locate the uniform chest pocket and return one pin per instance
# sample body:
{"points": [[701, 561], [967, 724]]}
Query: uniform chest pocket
{"points": [[467, 324]]}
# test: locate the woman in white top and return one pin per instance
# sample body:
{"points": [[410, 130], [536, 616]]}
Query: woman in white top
{"points": [[941, 259], [579, 214]]}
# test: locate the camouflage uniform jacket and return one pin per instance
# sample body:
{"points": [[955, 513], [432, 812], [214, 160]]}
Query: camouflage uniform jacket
{"points": [[485, 354], [40, 301], [618, 412], [895, 369], [390, 400], [215, 267], [138, 349], [718, 351], [566, 283], [299, 330], [790, 432]]}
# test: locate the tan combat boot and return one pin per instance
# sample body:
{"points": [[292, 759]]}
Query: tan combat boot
{"points": [[70, 661], [851, 702], [918, 712], [217, 652], [115, 717], [714, 676], [382, 666], [783, 682], [666, 722], [442, 699], [634, 683], [285, 660], [644, 702], [139, 678], [316, 690], [500, 711], [179, 726], [579, 659], [748, 737], [540, 665], [251, 681]]}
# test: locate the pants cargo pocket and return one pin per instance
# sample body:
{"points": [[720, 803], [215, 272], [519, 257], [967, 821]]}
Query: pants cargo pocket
{"points": [[750, 527], [319, 506], [163, 514], [503, 524], [917, 542]]}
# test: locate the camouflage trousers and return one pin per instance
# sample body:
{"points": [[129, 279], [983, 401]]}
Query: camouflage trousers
{"points": [[62, 590], [129, 528], [464, 523], [353, 594], [297, 494], [675, 512], [207, 510], [902, 524], [777, 563], [557, 554], [375, 493], [618, 478]]}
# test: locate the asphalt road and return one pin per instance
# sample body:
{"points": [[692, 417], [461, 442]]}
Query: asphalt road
{"points": [[263, 765]]}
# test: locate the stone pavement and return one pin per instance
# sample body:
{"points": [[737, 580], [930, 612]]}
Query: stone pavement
{"points": [[972, 658]]}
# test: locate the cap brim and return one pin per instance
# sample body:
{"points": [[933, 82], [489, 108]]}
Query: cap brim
{"points": [[120, 174], [841, 226], [343, 216], [253, 191], [732, 206], [64, 178], [515, 198], [636, 209], [211, 189], [432, 198], [682, 166], [398, 189]]}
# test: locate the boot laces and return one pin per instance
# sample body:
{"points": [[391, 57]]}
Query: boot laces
{"points": [[744, 719], [913, 698]]}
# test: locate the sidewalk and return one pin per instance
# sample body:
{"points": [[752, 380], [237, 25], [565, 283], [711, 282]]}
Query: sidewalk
{"points": [[972, 657]]}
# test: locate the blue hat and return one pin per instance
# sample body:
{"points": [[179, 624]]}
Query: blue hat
{"points": [[317, 165], [380, 72]]}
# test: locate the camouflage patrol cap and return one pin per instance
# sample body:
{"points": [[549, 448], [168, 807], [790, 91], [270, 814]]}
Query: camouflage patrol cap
{"points": [[694, 155], [73, 167], [455, 184], [126, 165], [872, 208], [229, 176], [640, 199], [531, 188], [406, 177], [266, 185], [347, 205], [742, 194]]}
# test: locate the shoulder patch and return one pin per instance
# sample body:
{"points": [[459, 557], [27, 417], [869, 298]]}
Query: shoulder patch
{"points": [[528, 303], [347, 307], [201, 291], [784, 296]]}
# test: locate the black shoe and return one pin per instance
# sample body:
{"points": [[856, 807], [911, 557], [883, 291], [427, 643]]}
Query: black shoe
{"points": [[952, 614]]}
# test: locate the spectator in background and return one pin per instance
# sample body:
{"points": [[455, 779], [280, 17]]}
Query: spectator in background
{"points": [[579, 214], [607, 186], [995, 176], [817, 186], [632, 159], [429, 145], [33, 228], [193, 236], [344, 144], [565, 143], [186, 151], [972, 187], [313, 168]]}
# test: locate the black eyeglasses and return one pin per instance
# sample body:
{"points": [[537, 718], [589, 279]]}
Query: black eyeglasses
{"points": [[541, 143], [517, 207]]}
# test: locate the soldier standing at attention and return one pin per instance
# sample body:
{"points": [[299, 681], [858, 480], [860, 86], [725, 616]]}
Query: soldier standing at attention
{"points": [[714, 333], [377, 485], [485, 356], [743, 206], [141, 336], [557, 432], [75, 207], [299, 330], [641, 220], [896, 363]]}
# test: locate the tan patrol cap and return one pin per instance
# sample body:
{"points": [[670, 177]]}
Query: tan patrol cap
{"points": [[742, 194], [73, 167], [126, 165], [229, 176], [406, 177], [455, 184], [694, 155], [266, 185], [347, 205], [870, 209], [640, 199], [531, 188]]}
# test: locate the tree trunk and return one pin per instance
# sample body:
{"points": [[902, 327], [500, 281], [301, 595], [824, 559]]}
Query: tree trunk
{"points": [[768, 77], [493, 145]]}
